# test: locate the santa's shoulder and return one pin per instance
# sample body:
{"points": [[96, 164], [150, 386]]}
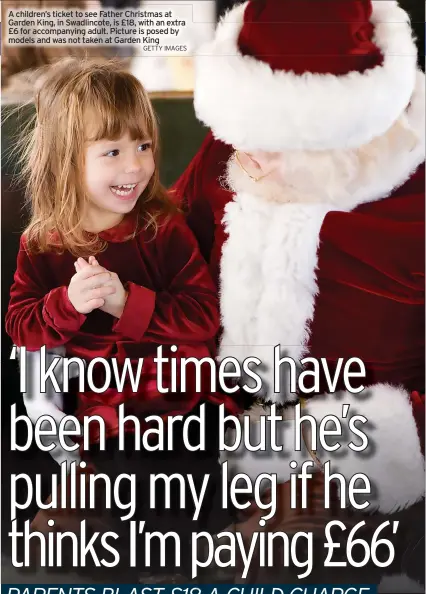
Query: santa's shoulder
{"points": [[387, 234], [406, 203]]}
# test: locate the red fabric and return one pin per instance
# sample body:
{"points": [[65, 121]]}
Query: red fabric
{"points": [[371, 287], [418, 406], [172, 301], [204, 199], [320, 36], [370, 273]]}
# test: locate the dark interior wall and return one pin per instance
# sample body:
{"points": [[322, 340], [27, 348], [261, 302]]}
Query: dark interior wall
{"points": [[223, 5], [416, 10]]}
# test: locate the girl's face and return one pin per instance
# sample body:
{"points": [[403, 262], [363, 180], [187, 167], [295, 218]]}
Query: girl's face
{"points": [[116, 174]]}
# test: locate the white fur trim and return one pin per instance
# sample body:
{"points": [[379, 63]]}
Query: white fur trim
{"points": [[393, 461], [268, 282], [248, 105], [345, 178]]}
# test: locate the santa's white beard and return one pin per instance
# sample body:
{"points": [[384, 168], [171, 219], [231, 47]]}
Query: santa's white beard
{"points": [[333, 177]]}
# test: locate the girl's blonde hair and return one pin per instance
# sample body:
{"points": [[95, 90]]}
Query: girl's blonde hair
{"points": [[74, 97]]}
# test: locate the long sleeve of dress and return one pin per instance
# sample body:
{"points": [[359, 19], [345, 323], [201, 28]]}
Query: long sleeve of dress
{"points": [[38, 317], [187, 310]]}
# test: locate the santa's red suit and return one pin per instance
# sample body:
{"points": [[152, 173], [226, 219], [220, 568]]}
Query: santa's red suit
{"points": [[325, 259]]}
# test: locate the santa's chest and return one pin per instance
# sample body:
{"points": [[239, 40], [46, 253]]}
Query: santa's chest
{"points": [[308, 275]]}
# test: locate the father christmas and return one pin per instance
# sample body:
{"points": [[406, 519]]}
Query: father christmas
{"points": [[307, 199]]}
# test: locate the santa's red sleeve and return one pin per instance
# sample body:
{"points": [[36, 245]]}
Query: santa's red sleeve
{"points": [[395, 411], [189, 191]]}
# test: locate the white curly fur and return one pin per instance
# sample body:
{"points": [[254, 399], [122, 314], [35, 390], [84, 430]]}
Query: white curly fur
{"points": [[252, 107]]}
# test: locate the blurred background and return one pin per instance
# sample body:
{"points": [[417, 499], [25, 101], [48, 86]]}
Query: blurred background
{"points": [[159, 74], [170, 83]]}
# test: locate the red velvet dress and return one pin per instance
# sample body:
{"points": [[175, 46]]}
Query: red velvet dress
{"points": [[172, 301]]}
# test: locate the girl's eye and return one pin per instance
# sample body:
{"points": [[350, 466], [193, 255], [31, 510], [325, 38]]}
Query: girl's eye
{"points": [[145, 146], [113, 153]]}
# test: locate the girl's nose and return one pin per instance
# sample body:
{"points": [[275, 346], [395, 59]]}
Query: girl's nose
{"points": [[133, 164]]}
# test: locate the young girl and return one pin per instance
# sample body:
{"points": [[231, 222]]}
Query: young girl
{"points": [[108, 268]]}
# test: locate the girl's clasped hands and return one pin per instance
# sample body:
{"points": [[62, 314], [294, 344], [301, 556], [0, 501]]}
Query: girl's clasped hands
{"points": [[95, 287]]}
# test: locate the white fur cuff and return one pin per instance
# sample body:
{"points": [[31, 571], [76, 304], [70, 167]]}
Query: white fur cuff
{"points": [[392, 460]]}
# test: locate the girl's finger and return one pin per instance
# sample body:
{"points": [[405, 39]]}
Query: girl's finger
{"points": [[88, 271], [100, 293], [82, 262], [96, 303], [98, 280]]}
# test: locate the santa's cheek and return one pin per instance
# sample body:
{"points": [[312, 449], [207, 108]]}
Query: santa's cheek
{"points": [[276, 177]]}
